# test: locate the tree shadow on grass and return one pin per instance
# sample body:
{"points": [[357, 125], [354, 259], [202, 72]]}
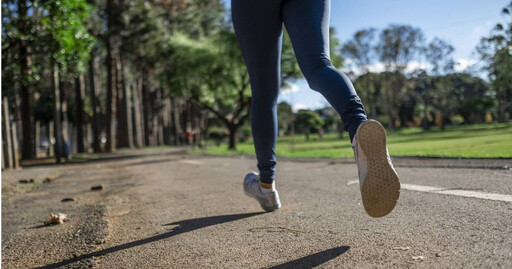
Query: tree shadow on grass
{"points": [[313, 260], [184, 226]]}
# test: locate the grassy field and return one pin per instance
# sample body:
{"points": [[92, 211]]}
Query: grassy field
{"points": [[475, 141]]}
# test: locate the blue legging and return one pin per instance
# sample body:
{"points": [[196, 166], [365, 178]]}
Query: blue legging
{"points": [[258, 27]]}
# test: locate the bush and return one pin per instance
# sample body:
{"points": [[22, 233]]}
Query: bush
{"points": [[457, 119]]}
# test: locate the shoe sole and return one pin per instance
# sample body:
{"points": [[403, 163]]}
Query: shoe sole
{"points": [[381, 187]]}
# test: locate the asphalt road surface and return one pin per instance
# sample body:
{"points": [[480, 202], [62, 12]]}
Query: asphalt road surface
{"points": [[163, 208]]}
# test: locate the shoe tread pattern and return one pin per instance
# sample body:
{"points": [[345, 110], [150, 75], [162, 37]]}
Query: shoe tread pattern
{"points": [[381, 186]]}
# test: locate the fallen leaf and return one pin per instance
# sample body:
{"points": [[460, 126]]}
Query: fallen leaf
{"points": [[58, 218]]}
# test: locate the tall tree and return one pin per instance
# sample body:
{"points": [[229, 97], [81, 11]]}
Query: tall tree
{"points": [[69, 46], [23, 38], [398, 46], [79, 106], [285, 117], [112, 40], [94, 91], [496, 51], [438, 54], [360, 49]]}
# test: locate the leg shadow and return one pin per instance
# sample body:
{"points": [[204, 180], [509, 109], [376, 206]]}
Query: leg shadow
{"points": [[184, 226], [313, 259]]}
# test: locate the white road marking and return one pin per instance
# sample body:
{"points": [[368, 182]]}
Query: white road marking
{"points": [[190, 162], [463, 193], [352, 182], [480, 195], [419, 188]]}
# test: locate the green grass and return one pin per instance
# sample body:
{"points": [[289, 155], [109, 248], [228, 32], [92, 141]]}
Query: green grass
{"points": [[472, 141]]}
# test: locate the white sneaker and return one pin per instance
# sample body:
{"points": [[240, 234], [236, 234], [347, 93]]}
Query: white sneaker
{"points": [[378, 180], [268, 199]]}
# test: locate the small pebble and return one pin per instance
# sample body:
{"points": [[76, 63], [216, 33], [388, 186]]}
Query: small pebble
{"points": [[49, 179], [97, 188]]}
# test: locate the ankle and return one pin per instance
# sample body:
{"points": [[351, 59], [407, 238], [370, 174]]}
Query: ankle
{"points": [[267, 187]]}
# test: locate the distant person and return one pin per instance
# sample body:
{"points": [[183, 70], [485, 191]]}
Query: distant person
{"points": [[259, 27]]}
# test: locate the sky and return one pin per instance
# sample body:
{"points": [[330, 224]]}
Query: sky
{"points": [[460, 22]]}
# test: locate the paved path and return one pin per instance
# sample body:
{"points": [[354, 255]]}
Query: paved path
{"points": [[166, 209]]}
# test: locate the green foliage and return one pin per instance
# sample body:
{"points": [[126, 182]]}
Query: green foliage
{"points": [[69, 40], [308, 120], [496, 51], [398, 45], [334, 47], [285, 116], [360, 49], [438, 53], [210, 69], [468, 96]]}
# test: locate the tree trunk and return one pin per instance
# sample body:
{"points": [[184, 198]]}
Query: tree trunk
{"points": [[121, 130], [201, 128], [233, 136], [27, 117], [94, 88], [138, 124], [146, 110], [14, 139], [175, 118], [425, 116], [79, 104], [66, 141], [51, 136], [157, 117], [184, 116], [37, 138], [88, 132], [128, 111], [111, 98], [6, 135], [56, 113], [166, 114], [124, 115]]}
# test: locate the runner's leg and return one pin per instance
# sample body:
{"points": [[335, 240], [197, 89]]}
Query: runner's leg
{"points": [[258, 26], [307, 22]]}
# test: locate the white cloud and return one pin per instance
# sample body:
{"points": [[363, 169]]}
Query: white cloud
{"points": [[417, 65], [297, 107], [379, 67], [463, 64], [292, 88]]}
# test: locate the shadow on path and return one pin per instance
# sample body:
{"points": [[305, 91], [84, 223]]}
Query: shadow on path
{"points": [[184, 227], [313, 259]]}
